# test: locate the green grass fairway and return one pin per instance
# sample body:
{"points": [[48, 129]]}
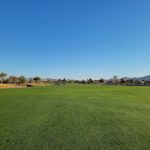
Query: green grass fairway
{"points": [[75, 117]]}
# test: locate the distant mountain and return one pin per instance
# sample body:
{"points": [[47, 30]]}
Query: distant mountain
{"points": [[145, 78]]}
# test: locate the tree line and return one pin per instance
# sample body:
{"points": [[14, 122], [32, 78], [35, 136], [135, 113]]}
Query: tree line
{"points": [[16, 79], [4, 78]]}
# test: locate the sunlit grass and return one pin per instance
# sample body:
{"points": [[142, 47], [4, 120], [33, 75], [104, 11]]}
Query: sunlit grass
{"points": [[75, 118]]}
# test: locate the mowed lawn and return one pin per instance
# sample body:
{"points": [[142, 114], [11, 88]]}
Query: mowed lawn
{"points": [[75, 117]]}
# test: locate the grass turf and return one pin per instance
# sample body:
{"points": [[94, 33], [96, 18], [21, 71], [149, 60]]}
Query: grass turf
{"points": [[75, 117]]}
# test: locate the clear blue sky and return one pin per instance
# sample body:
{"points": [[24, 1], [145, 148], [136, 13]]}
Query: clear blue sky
{"points": [[75, 38]]}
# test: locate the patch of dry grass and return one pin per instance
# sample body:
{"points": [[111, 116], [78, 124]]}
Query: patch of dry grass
{"points": [[3, 85]]}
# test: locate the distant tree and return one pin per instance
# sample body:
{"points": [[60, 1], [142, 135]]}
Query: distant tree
{"points": [[130, 82], [3, 75], [59, 80], [76, 81], [6, 80], [70, 81], [147, 83], [13, 79], [22, 79], [36, 79], [115, 77], [122, 81], [90, 80], [115, 80], [101, 81], [83, 81], [64, 81], [30, 80]]}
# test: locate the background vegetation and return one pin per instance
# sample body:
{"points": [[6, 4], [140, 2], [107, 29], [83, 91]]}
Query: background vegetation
{"points": [[114, 81]]}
